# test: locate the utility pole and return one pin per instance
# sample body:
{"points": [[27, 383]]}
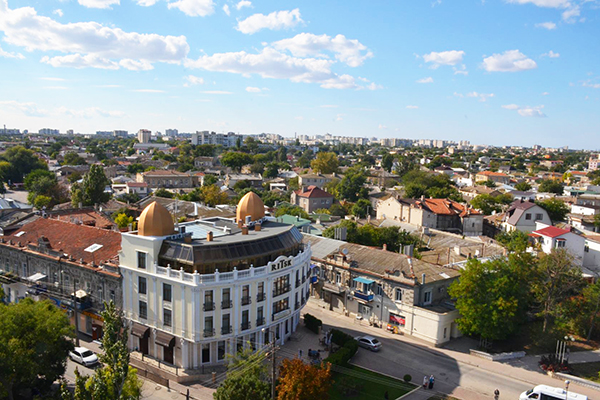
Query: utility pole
{"points": [[75, 313], [274, 366]]}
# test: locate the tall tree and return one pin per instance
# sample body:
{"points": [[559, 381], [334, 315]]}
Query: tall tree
{"points": [[387, 162], [21, 161], [43, 183], [351, 186], [236, 160], [34, 345], [556, 208], [247, 378], [325, 163], [550, 186], [91, 191], [300, 381], [73, 158]]}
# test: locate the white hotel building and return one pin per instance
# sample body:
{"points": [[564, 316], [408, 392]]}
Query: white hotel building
{"points": [[213, 286]]}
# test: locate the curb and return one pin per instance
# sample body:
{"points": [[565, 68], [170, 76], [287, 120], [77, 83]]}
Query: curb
{"points": [[409, 393], [391, 377]]}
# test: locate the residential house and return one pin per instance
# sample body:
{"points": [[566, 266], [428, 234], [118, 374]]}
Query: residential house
{"points": [[522, 216], [312, 198], [470, 192], [204, 162], [496, 177], [318, 180], [254, 180], [139, 188], [551, 237], [167, 179]]}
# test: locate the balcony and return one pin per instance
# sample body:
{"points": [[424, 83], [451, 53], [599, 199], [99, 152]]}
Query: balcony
{"points": [[298, 283], [209, 306], [297, 305], [246, 325], [209, 332], [303, 279], [226, 330], [225, 304], [281, 290], [260, 321], [260, 297], [363, 296], [246, 300]]}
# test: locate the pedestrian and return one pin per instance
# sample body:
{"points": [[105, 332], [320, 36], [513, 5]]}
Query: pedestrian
{"points": [[386, 396], [300, 353], [496, 394], [425, 382], [431, 382]]}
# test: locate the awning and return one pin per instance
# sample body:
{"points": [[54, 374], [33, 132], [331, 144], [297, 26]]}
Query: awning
{"points": [[333, 288], [364, 280], [80, 294], [139, 330], [36, 277], [164, 339]]}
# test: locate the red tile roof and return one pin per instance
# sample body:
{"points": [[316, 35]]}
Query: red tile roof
{"points": [[70, 239], [312, 192], [491, 173], [445, 207], [137, 184], [551, 231]]}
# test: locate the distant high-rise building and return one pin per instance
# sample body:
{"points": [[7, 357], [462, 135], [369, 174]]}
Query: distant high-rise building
{"points": [[122, 134], [48, 131], [144, 136], [171, 132], [224, 139]]}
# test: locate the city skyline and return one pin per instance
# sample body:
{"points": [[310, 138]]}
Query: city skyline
{"points": [[519, 72]]}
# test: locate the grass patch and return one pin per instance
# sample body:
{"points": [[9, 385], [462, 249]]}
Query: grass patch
{"points": [[357, 383], [442, 397], [587, 371]]}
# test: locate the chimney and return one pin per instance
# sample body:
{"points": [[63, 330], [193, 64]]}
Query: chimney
{"points": [[187, 239], [385, 247], [248, 219], [257, 227], [209, 236], [244, 230], [422, 279], [240, 223]]}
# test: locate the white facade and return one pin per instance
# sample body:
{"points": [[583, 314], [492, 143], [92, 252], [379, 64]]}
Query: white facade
{"points": [[209, 315], [224, 139]]}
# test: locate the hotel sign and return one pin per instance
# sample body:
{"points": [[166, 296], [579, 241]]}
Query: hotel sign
{"points": [[279, 265]]}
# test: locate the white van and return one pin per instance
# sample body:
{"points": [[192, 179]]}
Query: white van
{"points": [[543, 392]]}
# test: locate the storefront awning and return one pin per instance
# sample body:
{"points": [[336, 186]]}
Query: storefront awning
{"points": [[364, 280], [139, 330], [36, 277], [80, 294], [164, 339]]}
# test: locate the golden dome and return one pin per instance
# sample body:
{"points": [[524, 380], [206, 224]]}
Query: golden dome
{"points": [[155, 221], [251, 205]]}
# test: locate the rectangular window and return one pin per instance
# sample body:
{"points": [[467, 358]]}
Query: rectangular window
{"points": [[245, 320], [281, 285], [225, 324], [539, 217], [167, 317], [528, 217], [208, 296], [221, 350], [167, 292], [338, 278], [141, 256], [112, 296], [281, 305], [560, 244], [246, 295], [398, 295], [142, 285], [427, 297], [143, 310]]}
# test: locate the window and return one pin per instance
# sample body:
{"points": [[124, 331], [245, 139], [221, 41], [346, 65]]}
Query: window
{"points": [[112, 296], [281, 305], [560, 243], [398, 295], [143, 310], [208, 327], [205, 353], [221, 350], [245, 320], [100, 294], [427, 297], [528, 217], [141, 256], [338, 278], [281, 285], [225, 324], [142, 285], [259, 316], [445, 332], [246, 295], [167, 292], [539, 217], [166, 317]]}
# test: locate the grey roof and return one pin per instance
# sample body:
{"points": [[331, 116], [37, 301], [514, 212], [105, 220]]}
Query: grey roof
{"points": [[322, 248], [10, 204]]}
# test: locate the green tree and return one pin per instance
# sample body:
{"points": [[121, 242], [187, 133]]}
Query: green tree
{"points": [[91, 191], [43, 183], [492, 296], [164, 193], [387, 162], [489, 183], [21, 161], [34, 345], [115, 379], [325, 163], [515, 241], [271, 170], [361, 207], [73, 158], [550, 186], [247, 378], [251, 144], [486, 203], [351, 186], [209, 179], [557, 209], [135, 168], [123, 220], [291, 210], [236, 160], [212, 195]]}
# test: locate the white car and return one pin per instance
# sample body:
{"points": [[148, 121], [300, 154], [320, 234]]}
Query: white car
{"points": [[368, 342], [83, 356]]}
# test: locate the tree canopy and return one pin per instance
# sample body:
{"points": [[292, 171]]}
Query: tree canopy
{"points": [[19, 162], [73, 158], [550, 186], [300, 381], [247, 378], [43, 188], [557, 209], [325, 163], [91, 190], [236, 160]]}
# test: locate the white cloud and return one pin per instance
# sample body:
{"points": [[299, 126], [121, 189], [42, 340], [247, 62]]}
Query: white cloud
{"points": [[89, 112], [329, 106], [216, 92], [373, 86], [425, 80], [481, 96], [242, 4], [58, 12], [31, 109], [133, 65], [458, 72], [551, 54], [48, 78], [382, 126], [226, 10], [98, 3], [546, 25], [456, 94], [299, 118], [571, 14], [149, 91], [451, 57], [572, 10], [55, 87], [526, 111], [251, 89], [339, 117], [193, 80], [275, 21], [412, 107], [509, 61], [7, 54], [545, 94], [511, 107], [349, 51], [589, 84], [194, 8], [146, 3], [87, 44]]}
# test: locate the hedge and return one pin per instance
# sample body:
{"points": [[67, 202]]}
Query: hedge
{"points": [[348, 347], [312, 323]]}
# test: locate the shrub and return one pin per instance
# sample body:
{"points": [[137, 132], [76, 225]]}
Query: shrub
{"points": [[312, 323], [348, 347], [407, 378]]}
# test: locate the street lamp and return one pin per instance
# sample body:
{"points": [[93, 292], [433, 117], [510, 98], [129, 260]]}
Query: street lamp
{"points": [[567, 389], [273, 348]]}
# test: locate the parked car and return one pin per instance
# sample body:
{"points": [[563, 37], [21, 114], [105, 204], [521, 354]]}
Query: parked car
{"points": [[83, 356], [368, 342]]}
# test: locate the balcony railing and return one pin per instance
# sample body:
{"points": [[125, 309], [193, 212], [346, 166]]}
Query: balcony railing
{"points": [[298, 283], [363, 296], [226, 330], [304, 279], [260, 296], [246, 325], [209, 332], [260, 321], [209, 306], [281, 290], [297, 305], [226, 304], [246, 300]]}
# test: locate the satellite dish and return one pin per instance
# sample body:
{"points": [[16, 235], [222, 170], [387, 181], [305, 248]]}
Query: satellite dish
{"points": [[345, 252]]}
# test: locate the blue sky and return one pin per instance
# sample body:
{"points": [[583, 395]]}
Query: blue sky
{"points": [[492, 72]]}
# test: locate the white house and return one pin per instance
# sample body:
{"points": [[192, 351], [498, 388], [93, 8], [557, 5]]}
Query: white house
{"points": [[551, 237], [523, 215]]}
